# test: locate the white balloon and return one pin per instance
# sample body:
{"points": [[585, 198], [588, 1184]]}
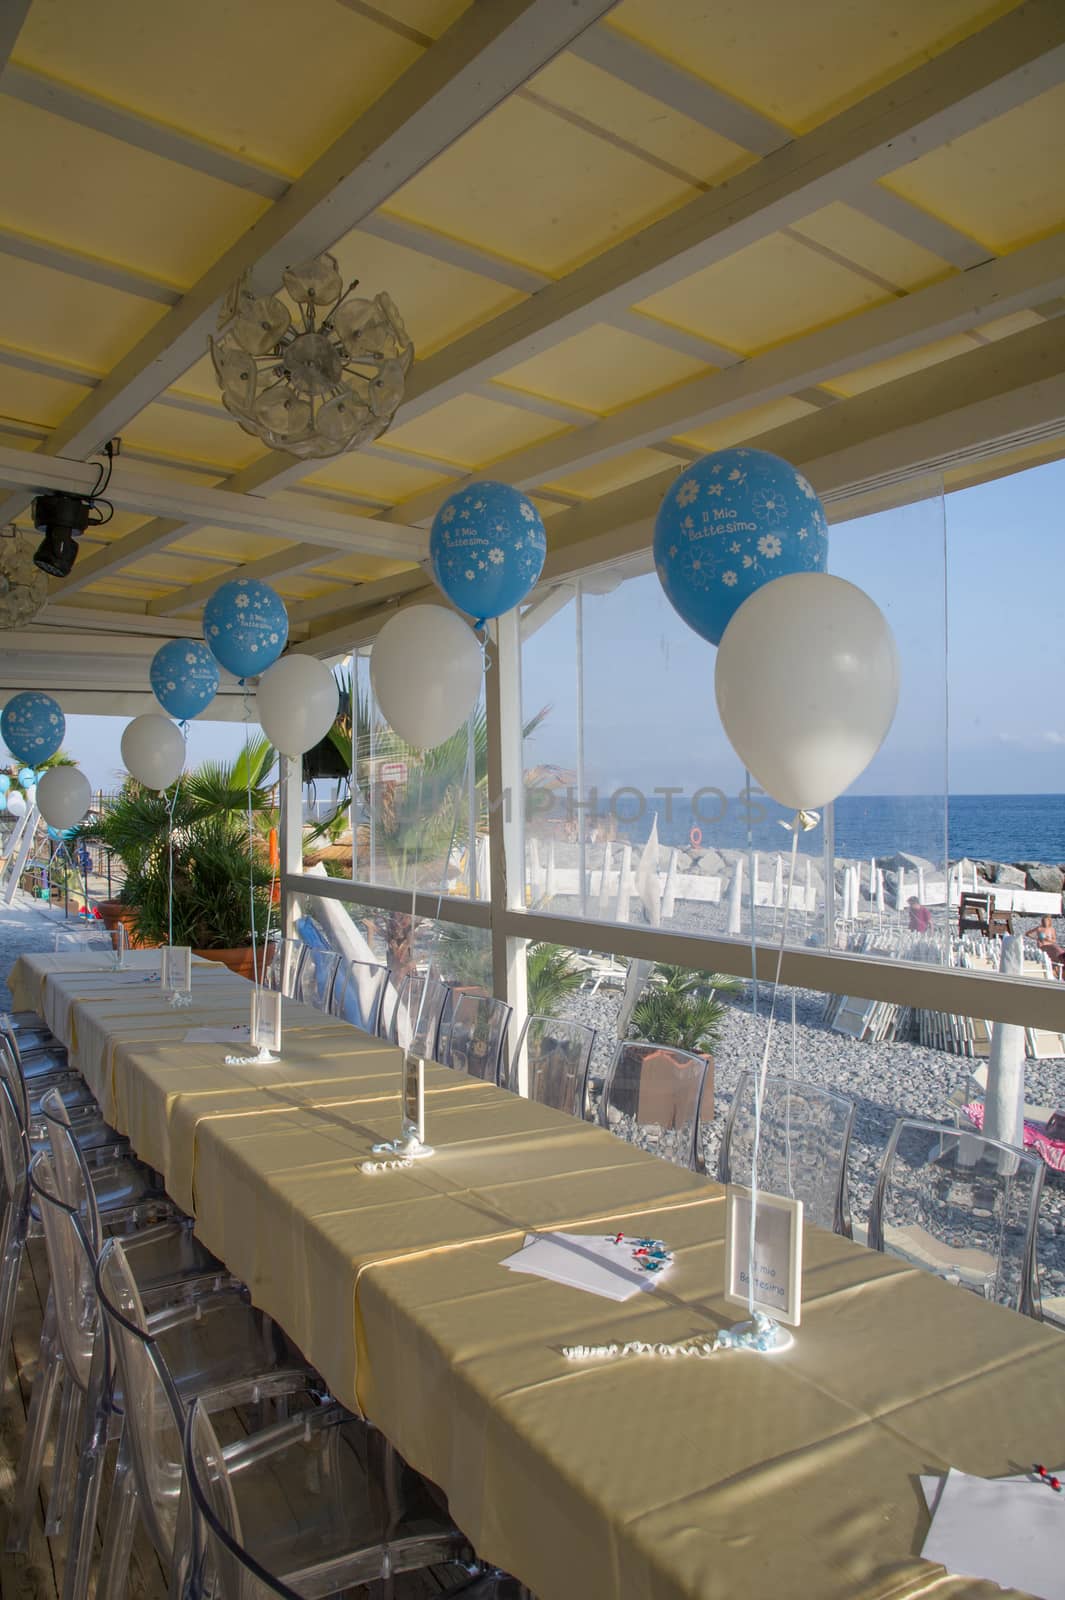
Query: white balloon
{"points": [[426, 670], [153, 750], [807, 682], [16, 802], [63, 796], [297, 702]]}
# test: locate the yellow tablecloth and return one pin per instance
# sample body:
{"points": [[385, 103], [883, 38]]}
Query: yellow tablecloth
{"points": [[786, 1476]]}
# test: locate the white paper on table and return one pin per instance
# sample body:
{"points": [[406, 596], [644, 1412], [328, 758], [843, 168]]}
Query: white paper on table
{"points": [[239, 1033], [583, 1261], [932, 1483], [1011, 1533]]}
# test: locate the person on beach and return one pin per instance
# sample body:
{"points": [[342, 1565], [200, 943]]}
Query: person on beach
{"points": [[1046, 937], [920, 916]]}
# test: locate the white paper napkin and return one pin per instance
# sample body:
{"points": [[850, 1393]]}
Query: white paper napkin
{"points": [[583, 1261], [239, 1033], [1007, 1530]]}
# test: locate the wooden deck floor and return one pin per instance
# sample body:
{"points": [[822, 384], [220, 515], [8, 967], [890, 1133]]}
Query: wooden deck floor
{"points": [[38, 1575]]}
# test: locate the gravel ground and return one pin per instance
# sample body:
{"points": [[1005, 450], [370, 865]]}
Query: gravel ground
{"points": [[883, 1080]]}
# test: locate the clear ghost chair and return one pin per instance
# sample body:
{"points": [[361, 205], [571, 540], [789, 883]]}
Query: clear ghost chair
{"points": [[315, 977], [93, 1133], [473, 1030], [296, 1512], [29, 1033], [282, 966], [359, 992], [415, 1024], [552, 1058], [963, 1206], [802, 1150], [92, 939], [652, 1097]]}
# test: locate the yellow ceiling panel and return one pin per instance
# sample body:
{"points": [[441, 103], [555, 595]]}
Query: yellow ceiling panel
{"points": [[880, 372], [120, 524], [32, 398], [532, 188], [127, 588], [602, 370], [1003, 327], [428, 16], [176, 574], [53, 314], [375, 477], [1002, 183], [302, 586], [799, 64], [626, 113], [192, 437], [82, 190], [870, 245], [227, 545], [261, 78], [746, 424], [591, 482], [360, 569], [771, 291], [472, 432]]}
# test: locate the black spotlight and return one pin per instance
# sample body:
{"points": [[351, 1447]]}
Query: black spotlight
{"points": [[60, 517]]}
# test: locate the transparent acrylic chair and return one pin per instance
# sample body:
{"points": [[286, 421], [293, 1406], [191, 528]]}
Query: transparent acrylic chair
{"points": [[30, 1037], [283, 965], [415, 1024], [298, 1513], [552, 1058], [315, 977], [92, 938], [93, 1133], [359, 993], [963, 1206], [473, 1030], [652, 1097], [802, 1152]]}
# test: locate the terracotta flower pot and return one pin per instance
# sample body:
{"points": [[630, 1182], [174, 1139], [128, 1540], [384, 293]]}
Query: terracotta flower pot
{"points": [[110, 912], [239, 959], [116, 913]]}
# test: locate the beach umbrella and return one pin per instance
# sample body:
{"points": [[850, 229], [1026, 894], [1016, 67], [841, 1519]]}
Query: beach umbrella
{"points": [[879, 893], [921, 891], [901, 895], [483, 879], [735, 900], [807, 903], [604, 884], [1004, 1097], [621, 908], [551, 880], [536, 871], [647, 878], [778, 883], [635, 979], [669, 893]]}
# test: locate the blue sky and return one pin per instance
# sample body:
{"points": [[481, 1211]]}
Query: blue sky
{"points": [[649, 705]]}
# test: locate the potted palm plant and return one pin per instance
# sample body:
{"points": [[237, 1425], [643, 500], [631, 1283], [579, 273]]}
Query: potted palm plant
{"points": [[680, 1009], [193, 875]]}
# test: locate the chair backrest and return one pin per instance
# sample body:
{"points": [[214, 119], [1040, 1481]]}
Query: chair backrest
{"points": [[74, 1184], [415, 1024], [14, 1158], [71, 1268], [473, 1028], [551, 1060], [154, 1415], [283, 965], [962, 1205], [315, 976], [802, 1151], [92, 937], [221, 1564], [12, 1074], [652, 1096], [359, 992]]}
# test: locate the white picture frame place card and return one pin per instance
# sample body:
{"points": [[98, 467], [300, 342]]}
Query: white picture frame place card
{"points": [[410, 1145], [266, 1022], [175, 969], [777, 1254]]}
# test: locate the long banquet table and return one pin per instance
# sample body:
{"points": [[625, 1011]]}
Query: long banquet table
{"points": [[794, 1475]]}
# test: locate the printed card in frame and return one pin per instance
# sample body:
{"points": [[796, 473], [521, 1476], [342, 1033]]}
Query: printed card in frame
{"points": [[778, 1253], [414, 1098], [175, 969], [266, 1020]]}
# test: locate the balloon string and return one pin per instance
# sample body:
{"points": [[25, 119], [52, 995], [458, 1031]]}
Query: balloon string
{"points": [[170, 850], [257, 981]]}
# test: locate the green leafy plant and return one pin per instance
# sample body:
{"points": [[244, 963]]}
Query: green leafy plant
{"points": [[680, 1009], [463, 956], [552, 976], [220, 882]]}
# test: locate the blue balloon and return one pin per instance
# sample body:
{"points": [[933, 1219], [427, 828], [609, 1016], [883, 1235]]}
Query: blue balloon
{"points": [[487, 548], [245, 625], [27, 777], [32, 726], [184, 676], [5, 783], [731, 522]]}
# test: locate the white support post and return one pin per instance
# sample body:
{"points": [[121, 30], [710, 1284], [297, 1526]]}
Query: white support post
{"points": [[506, 814], [291, 840]]}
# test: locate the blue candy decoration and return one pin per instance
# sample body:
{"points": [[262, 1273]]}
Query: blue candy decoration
{"points": [[32, 726], [5, 783], [27, 778], [731, 522], [245, 626], [184, 677], [487, 548]]}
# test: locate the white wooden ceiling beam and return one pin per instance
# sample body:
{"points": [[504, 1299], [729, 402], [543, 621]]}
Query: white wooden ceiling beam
{"points": [[997, 288], [12, 15], [281, 563], [358, 595], [487, 53], [92, 269], [142, 132], [453, 252], [920, 227]]}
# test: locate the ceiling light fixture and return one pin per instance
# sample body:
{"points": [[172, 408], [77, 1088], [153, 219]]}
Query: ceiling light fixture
{"points": [[317, 377], [62, 518]]}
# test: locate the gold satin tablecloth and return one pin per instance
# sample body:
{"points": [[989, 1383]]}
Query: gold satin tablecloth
{"points": [[793, 1475]]}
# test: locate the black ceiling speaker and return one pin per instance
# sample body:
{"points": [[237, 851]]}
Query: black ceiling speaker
{"points": [[61, 518]]}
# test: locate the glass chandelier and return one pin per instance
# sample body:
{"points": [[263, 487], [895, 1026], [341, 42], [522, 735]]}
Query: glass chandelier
{"points": [[318, 373], [23, 587]]}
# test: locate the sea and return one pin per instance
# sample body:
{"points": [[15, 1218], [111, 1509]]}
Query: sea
{"points": [[983, 827]]}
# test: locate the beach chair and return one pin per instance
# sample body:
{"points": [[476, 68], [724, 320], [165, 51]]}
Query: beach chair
{"points": [[974, 914]]}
